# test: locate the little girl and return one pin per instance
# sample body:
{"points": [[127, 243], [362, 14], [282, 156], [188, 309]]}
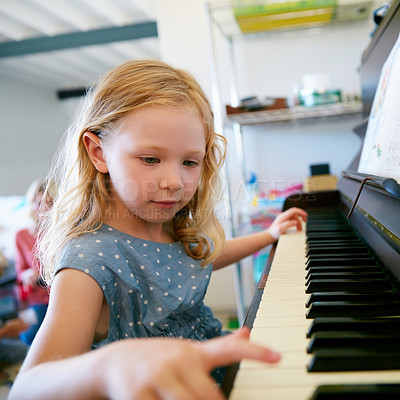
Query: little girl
{"points": [[131, 240]]}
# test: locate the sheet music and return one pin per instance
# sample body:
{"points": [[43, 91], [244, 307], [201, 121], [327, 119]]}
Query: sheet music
{"points": [[381, 151]]}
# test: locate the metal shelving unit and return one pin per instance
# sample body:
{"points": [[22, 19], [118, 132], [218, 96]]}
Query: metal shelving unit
{"points": [[222, 16], [297, 114]]}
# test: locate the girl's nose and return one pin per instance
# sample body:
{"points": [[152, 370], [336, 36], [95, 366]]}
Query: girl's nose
{"points": [[171, 180]]}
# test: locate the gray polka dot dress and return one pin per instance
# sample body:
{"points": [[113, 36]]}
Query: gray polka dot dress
{"points": [[152, 289]]}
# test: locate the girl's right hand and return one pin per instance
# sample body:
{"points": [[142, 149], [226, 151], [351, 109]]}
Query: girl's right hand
{"points": [[174, 369]]}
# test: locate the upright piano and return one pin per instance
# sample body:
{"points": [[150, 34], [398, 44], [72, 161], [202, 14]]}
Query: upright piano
{"points": [[329, 299]]}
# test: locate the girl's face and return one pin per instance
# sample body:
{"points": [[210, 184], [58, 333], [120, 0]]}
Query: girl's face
{"points": [[155, 163]]}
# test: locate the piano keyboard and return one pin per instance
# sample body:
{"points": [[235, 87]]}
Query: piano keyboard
{"points": [[336, 323]]}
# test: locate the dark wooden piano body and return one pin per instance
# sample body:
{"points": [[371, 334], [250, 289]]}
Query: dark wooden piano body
{"points": [[376, 220]]}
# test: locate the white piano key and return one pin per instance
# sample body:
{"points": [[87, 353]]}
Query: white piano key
{"points": [[278, 377], [280, 311], [280, 342], [265, 322], [289, 359], [268, 393]]}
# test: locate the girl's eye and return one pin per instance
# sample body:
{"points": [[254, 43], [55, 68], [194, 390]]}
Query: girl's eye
{"points": [[150, 160], [189, 163]]}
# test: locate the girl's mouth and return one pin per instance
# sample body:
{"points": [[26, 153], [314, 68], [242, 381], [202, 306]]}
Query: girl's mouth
{"points": [[165, 204]]}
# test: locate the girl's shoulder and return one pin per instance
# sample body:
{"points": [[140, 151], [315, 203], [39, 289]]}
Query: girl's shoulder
{"points": [[94, 251], [107, 243], [97, 242]]}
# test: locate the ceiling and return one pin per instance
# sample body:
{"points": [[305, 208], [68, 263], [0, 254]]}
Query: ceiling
{"points": [[66, 44], [62, 45]]}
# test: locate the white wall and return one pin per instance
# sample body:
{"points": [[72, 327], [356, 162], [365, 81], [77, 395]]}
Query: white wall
{"points": [[32, 123], [271, 65]]}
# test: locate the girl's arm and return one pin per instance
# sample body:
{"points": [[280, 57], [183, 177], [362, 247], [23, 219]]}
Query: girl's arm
{"points": [[138, 369], [237, 248], [67, 331], [60, 366]]}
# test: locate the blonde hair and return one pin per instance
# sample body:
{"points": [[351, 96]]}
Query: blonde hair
{"points": [[83, 193]]}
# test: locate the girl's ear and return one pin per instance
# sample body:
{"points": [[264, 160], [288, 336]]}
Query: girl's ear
{"points": [[95, 151]]}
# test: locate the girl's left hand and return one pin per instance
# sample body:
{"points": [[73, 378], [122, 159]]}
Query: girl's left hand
{"points": [[288, 219]]}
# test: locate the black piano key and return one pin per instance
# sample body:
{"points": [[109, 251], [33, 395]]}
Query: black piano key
{"points": [[316, 262], [354, 309], [346, 296], [340, 285], [359, 275], [354, 360], [328, 225], [330, 235], [323, 212], [367, 325], [337, 247], [329, 228], [354, 340], [334, 256], [328, 222], [338, 264], [315, 242], [312, 251], [332, 220], [344, 268], [322, 218], [386, 391]]}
